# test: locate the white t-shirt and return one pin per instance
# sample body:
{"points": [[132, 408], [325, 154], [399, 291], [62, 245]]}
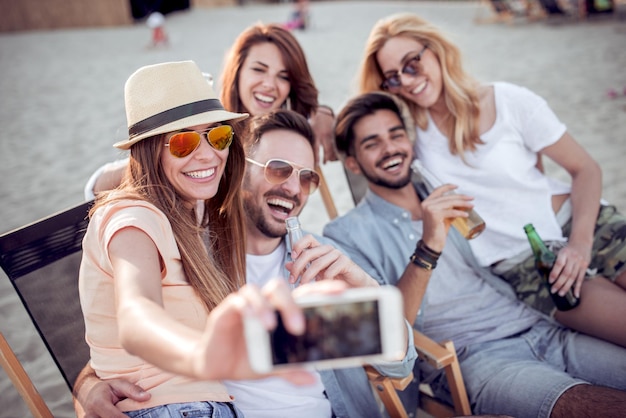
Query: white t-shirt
{"points": [[508, 190], [275, 397]]}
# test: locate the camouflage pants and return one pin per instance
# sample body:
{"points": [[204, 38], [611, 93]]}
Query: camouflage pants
{"points": [[608, 258]]}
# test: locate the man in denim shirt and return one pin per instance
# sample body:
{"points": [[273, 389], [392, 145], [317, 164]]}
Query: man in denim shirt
{"points": [[268, 201], [514, 360]]}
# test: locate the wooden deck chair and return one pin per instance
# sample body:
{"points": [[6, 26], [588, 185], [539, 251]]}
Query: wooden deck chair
{"points": [[441, 356], [42, 260]]}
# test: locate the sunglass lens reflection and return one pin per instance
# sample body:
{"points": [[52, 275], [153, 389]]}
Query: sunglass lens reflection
{"points": [[221, 137], [278, 171], [184, 143], [309, 180]]}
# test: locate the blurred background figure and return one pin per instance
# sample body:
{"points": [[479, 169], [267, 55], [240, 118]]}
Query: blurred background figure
{"points": [[156, 22], [299, 18]]}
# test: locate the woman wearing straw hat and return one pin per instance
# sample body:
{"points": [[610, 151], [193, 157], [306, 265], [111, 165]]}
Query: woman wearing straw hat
{"points": [[156, 303]]}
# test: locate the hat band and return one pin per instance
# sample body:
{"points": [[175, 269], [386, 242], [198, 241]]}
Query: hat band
{"points": [[172, 115]]}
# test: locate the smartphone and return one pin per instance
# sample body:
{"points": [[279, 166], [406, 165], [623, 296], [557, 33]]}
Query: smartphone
{"points": [[359, 326]]}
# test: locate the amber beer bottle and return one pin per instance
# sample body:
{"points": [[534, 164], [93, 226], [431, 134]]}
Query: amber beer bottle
{"points": [[544, 260]]}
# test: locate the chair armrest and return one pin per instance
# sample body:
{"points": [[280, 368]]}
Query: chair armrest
{"points": [[399, 383], [440, 356], [435, 354]]}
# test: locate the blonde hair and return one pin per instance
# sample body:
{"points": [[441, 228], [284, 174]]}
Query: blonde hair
{"points": [[459, 88], [215, 272]]}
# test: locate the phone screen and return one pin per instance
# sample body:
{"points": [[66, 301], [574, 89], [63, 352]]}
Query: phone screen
{"points": [[331, 331]]}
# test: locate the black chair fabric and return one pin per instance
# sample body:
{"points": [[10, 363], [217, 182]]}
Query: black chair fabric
{"points": [[42, 260]]}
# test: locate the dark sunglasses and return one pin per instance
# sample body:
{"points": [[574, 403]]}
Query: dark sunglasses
{"points": [[412, 67], [279, 171], [181, 144]]}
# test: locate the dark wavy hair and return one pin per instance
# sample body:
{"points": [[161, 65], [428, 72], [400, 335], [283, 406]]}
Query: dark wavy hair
{"points": [[303, 93], [280, 119], [364, 105]]}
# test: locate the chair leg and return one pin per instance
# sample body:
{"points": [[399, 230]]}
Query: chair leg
{"points": [[21, 381], [386, 389], [457, 386], [327, 198]]}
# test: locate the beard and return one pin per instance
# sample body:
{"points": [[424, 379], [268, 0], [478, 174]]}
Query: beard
{"points": [[380, 181], [256, 218]]}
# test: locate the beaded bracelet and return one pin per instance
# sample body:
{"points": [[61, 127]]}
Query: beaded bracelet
{"points": [[420, 262], [422, 245], [424, 256]]}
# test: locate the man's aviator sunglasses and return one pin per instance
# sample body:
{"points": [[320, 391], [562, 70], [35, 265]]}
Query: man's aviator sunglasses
{"points": [[279, 171], [181, 144], [412, 67]]}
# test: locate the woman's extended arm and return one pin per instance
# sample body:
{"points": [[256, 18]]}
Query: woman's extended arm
{"points": [[572, 261]]}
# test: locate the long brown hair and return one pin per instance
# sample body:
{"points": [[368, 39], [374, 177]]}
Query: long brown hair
{"points": [[303, 93], [215, 273], [459, 88]]}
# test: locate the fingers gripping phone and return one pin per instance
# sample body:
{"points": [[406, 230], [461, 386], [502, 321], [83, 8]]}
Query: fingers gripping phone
{"points": [[359, 326]]}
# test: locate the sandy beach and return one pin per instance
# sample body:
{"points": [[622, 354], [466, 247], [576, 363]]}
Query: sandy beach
{"points": [[62, 108]]}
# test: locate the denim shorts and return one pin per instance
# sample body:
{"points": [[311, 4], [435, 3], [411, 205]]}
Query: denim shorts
{"points": [[189, 410], [524, 375]]}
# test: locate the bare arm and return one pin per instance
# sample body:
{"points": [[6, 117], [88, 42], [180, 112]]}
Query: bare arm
{"points": [[323, 124], [224, 337], [94, 398], [147, 330], [573, 260], [438, 211], [109, 179]]}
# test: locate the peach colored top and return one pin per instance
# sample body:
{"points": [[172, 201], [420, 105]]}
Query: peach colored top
{"points": [[97, 298]]}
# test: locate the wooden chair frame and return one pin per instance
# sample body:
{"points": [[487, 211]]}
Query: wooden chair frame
{"points": [[440, 356], [21, 381]]}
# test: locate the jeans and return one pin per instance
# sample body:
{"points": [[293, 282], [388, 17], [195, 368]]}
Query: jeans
{"points": [[189, 410], [524, 375]]}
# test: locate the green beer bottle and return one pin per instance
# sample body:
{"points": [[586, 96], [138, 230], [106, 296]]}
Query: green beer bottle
{"points": [[544, 260]]}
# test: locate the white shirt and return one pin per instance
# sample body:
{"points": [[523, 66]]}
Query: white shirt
{"points": [[275, 397], [509, 190]]}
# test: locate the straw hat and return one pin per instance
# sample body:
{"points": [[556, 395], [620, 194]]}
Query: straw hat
{"points": [[168, 97]]}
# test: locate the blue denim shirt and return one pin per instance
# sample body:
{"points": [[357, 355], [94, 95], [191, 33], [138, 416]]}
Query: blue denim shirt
{"points": [[348, 389], [380, 238]]}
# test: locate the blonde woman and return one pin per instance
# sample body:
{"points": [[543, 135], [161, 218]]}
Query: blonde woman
{"points": [[486, 139]]}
